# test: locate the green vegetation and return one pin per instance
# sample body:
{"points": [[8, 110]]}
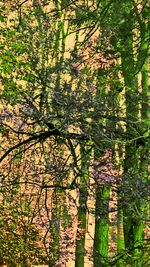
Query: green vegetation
{"points": [[74, 133]]}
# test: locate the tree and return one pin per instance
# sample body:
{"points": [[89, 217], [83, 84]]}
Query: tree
{"points": [[126, 35], [82, 209], [55, 100]]}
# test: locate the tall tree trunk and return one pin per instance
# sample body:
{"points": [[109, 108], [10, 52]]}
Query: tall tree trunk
{"points": [[143, 166], [131, 153], [133, 223], [101, 227], [120, 237], [82, 209]]}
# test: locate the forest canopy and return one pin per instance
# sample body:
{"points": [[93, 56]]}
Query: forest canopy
{"points": [[74, 133]]}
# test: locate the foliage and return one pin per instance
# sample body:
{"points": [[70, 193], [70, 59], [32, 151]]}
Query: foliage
{"points": [[19, 237], [59, 107]]}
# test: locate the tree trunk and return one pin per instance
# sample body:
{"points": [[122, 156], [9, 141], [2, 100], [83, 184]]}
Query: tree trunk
{"points": [[120, 237], [101, 227], [134, 223], [82, 209]]}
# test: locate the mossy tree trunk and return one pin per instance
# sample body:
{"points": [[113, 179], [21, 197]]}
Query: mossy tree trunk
{"points": [[136, 114], [101, 227]]}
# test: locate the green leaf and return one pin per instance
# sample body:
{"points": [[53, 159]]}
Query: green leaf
{"points": [[146, 134]]}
